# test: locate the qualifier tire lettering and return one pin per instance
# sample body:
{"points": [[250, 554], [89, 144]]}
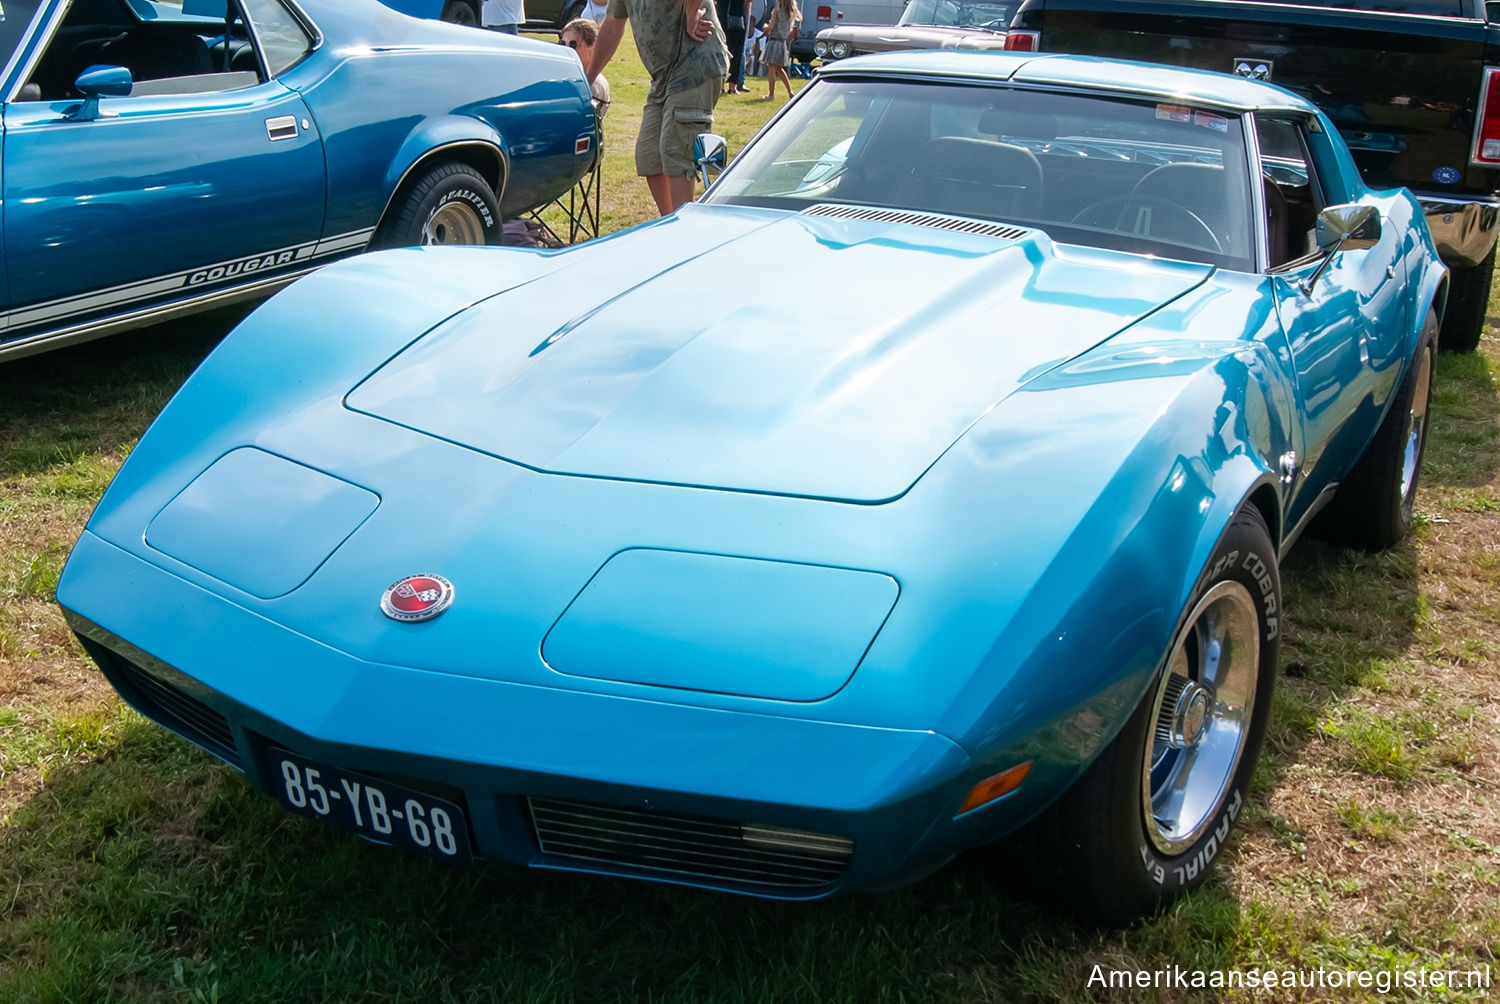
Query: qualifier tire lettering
{"points": [[430, 205], [474, 199]]}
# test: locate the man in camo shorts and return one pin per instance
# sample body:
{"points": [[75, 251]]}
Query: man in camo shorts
{"points": [[683, 49]]}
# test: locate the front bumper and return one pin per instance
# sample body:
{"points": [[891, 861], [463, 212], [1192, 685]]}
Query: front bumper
{"points": [[1464, 232], [237, 684]]}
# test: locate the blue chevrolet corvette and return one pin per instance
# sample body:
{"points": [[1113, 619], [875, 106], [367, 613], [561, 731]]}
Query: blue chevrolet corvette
{"points": [[161, 158], [593, 560]]}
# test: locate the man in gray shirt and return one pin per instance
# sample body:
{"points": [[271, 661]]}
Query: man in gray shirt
{"points": [[682, 47]]}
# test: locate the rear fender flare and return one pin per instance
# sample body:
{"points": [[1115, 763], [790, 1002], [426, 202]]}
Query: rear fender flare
{"points": [[451, 138], [1427, 273], [1432, 294]]}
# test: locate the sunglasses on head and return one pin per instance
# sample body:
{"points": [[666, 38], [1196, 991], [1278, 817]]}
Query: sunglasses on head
{"points": [[572, 43]]}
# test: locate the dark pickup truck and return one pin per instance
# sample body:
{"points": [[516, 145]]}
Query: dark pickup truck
{"points": [[1413, 86]]}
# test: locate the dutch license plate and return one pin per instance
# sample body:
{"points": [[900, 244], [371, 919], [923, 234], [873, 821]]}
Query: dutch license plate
{"points": [[384, 812]]}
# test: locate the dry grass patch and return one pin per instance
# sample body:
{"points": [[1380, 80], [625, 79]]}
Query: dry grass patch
{"points": [[1382, 823]]}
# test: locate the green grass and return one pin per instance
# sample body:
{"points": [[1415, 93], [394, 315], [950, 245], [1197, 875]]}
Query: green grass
{"points": [[134, 868], [625, 200], [1381, 746]]}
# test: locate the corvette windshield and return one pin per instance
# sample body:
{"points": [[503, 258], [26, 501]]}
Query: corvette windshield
{"points": [[1154, 177]]}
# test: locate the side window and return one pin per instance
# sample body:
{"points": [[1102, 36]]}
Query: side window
{"points": [[1293, 195], [283, 40], [172, 54]]}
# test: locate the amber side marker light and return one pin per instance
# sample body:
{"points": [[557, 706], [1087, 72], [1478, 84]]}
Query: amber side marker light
{"points": [[995, 787]]}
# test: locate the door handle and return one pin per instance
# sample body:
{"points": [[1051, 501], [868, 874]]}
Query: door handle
{"points": [[281, 127]]}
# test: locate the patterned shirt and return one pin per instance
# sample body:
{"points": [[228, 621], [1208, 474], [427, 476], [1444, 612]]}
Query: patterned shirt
{"points": [[674, 60]]}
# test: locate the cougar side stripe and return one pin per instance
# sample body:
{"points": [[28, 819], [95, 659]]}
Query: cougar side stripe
{"points": [[207, 276]]}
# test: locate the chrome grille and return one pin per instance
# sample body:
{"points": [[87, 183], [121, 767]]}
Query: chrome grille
{"points": [[170, 706], [916, 219], [692, 848]]}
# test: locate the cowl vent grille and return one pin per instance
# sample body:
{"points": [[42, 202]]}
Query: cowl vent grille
{"points": [[915, 219], [747, 856]]}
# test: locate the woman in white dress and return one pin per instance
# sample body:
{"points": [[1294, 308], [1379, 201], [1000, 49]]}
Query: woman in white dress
{"points": [[781, 32]]}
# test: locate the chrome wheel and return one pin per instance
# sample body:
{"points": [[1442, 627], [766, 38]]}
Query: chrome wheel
{"points": [[1150, 816], [1416, 429], [454, 222], [1203, 712]]}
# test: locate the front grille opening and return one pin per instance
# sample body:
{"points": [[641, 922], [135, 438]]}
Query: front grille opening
{"points": [[748, 856], [170, 706]]}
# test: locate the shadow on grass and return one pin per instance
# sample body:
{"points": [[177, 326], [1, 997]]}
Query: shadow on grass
{"points": [[98, 397], [1463, 441], [1352, 616], [154, 873]]}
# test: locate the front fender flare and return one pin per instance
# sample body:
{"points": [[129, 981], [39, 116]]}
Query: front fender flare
{"points": [[1091, 653]]}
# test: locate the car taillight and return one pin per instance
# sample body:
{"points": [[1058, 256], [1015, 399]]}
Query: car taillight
{"points": [[825, 12], [1487, 132], [1023, 41]]}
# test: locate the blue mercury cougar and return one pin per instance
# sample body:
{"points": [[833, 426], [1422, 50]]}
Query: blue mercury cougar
{"points": [[587, 560], [161, 158]]}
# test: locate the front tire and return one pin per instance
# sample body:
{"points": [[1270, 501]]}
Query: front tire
{"points": [[449, 204], [1374, 504], [1146, 821]]}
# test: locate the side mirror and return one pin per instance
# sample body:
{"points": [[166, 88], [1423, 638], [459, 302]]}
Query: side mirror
{"points": [[1350, 227], [710, 150], [97, 82]]}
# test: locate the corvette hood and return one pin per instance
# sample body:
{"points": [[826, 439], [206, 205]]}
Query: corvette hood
{"points": [[755, 350]]}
